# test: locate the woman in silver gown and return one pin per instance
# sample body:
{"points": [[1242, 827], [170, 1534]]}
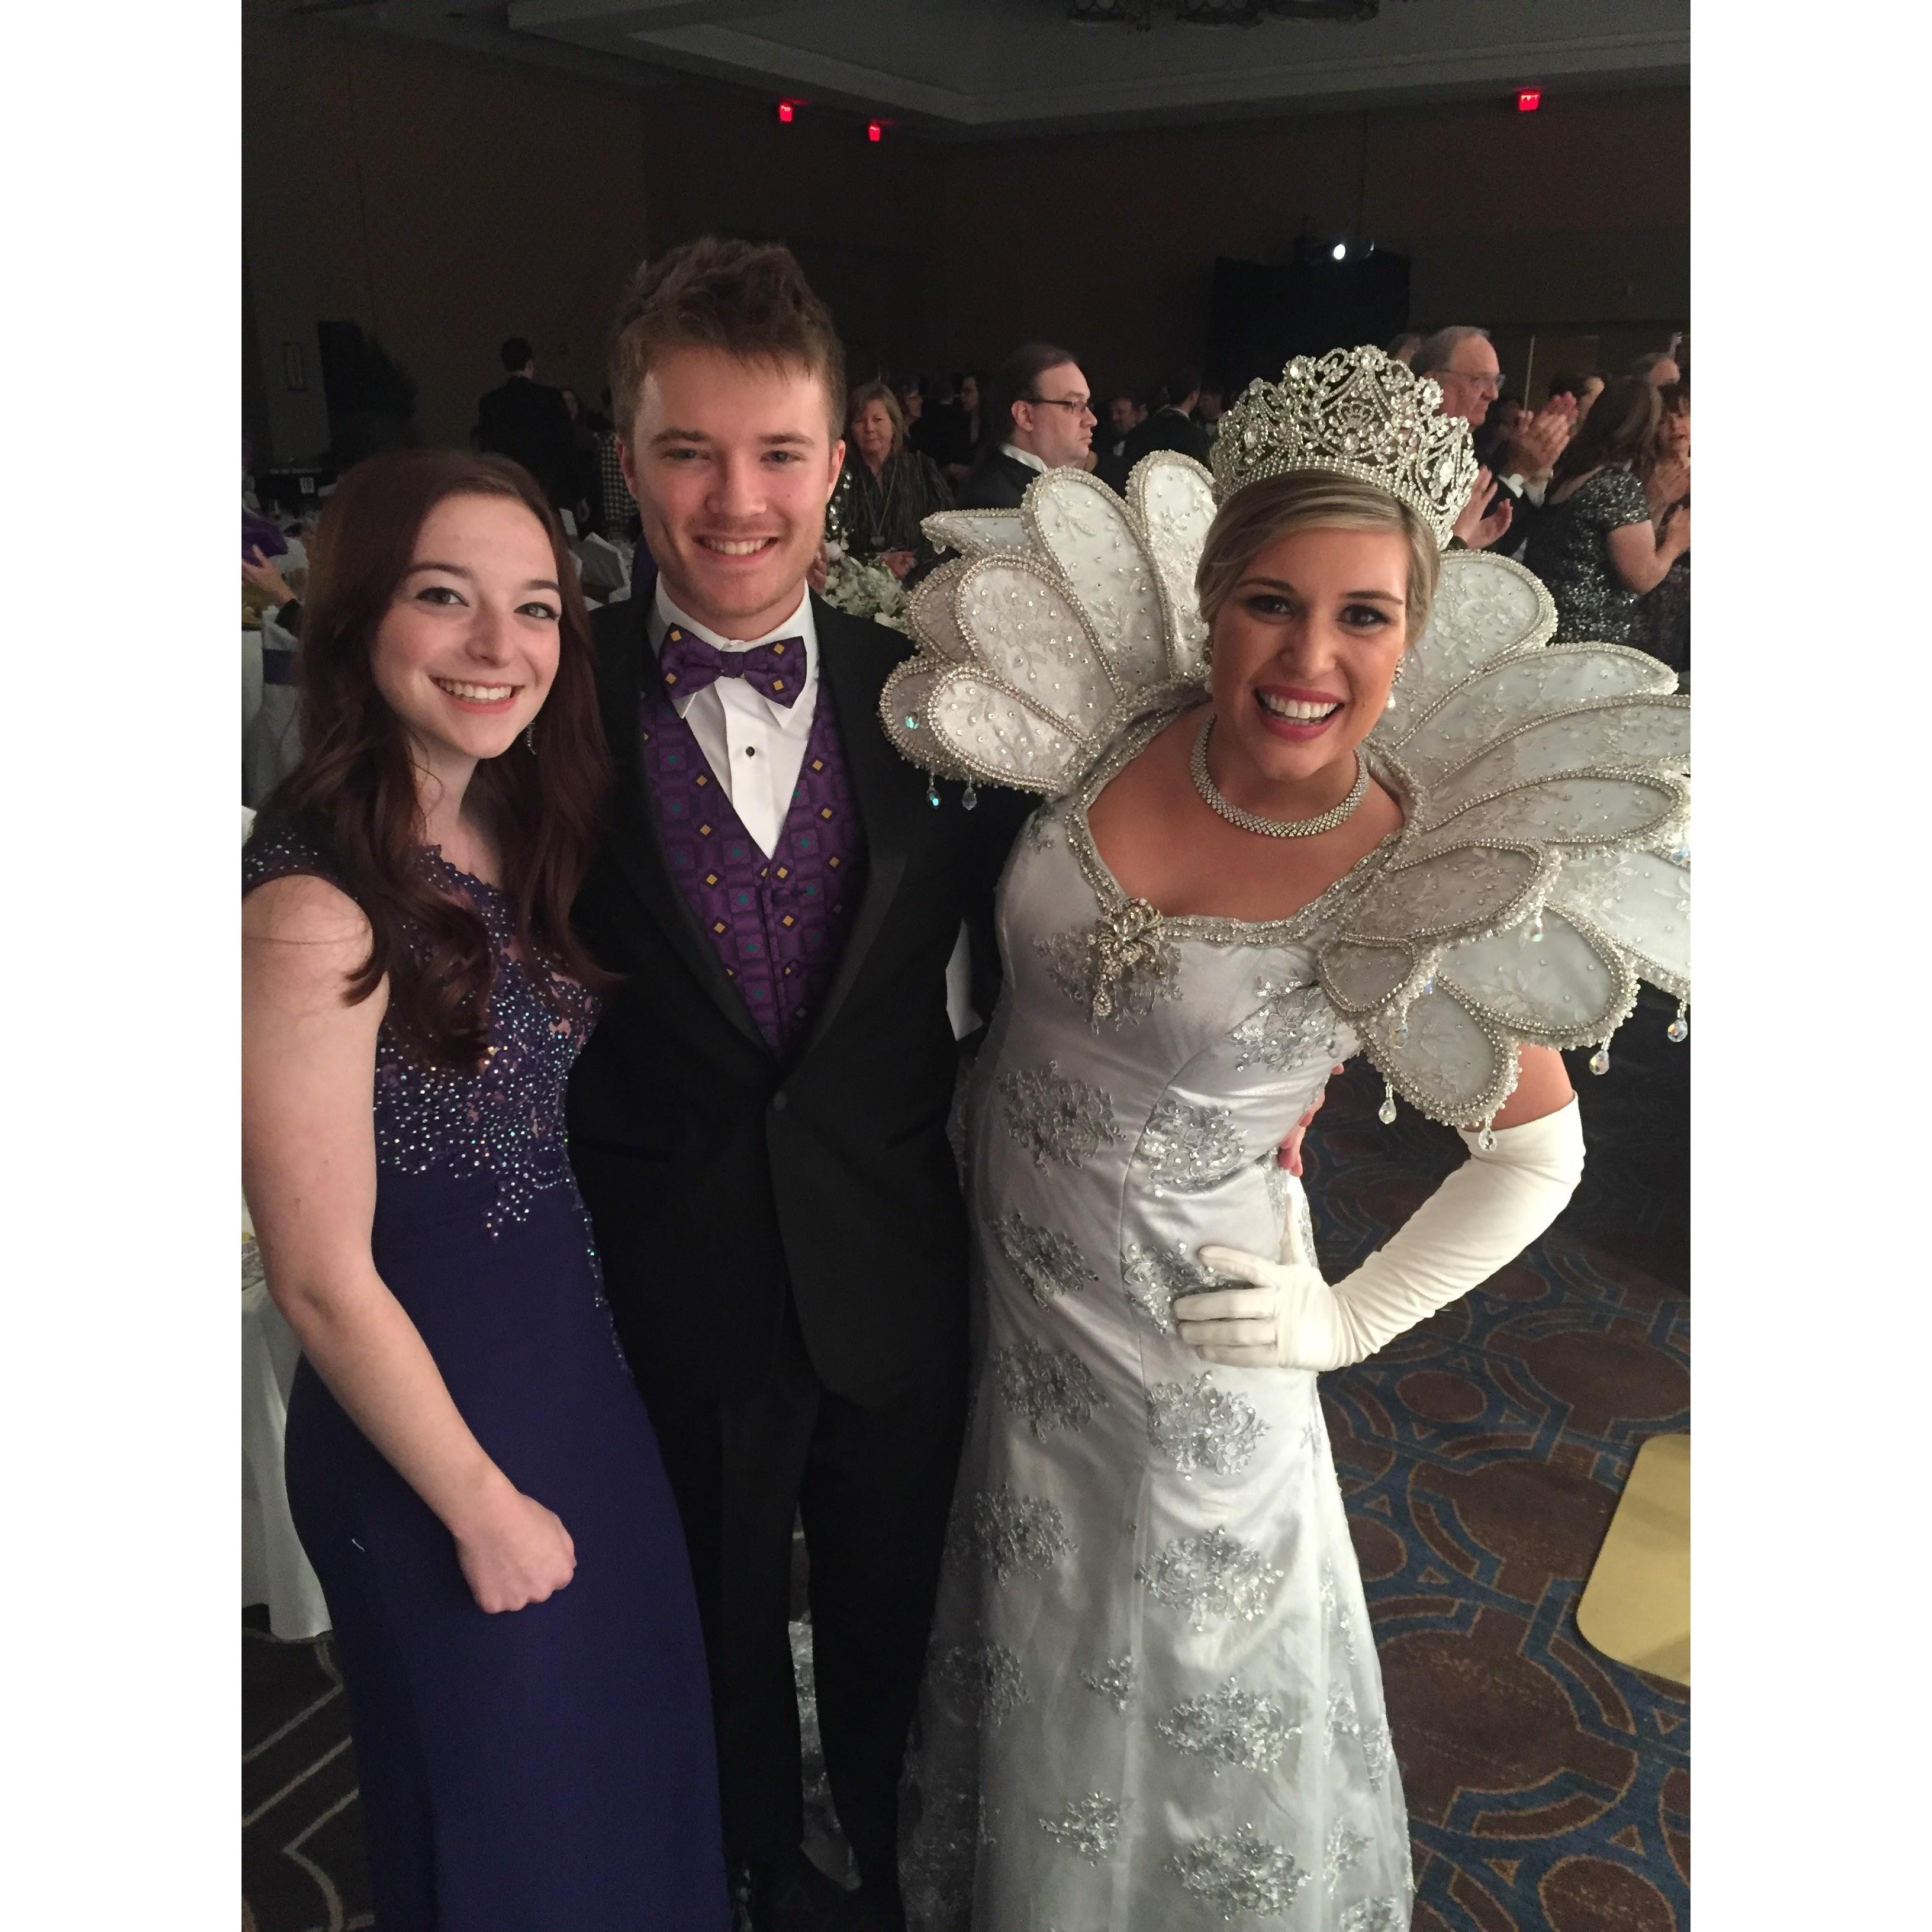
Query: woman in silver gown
{"points": [[1152, 1698]]}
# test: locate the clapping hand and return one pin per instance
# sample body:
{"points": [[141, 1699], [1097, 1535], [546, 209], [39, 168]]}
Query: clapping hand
{"points": [[819, 569], [898, 561], [1478, 526], [1669, 482], [265, 576], [1534, 449]]}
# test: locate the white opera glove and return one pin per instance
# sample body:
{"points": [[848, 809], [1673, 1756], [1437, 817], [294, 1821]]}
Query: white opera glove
{"points": [[1482, 1216]]}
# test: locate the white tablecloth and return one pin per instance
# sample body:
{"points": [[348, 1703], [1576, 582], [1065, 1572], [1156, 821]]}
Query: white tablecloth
{"points": [[275, 1571]]}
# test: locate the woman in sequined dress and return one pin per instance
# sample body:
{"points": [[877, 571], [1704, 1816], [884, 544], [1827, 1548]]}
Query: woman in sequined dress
{"points": [[1152, 1700], [471, 1468], [1598, 543], [1663, 625]]}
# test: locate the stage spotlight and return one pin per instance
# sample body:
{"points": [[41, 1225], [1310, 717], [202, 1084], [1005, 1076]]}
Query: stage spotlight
{"points": [[1340, 251], [875, 131], [1528, 100], [786, 110]]}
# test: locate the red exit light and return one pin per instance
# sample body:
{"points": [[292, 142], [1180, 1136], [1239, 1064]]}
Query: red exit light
{"points": [[875, 131], [1528, 100], [785, 113]]}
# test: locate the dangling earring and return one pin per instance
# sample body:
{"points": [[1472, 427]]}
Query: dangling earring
{"points": [[1401, 663], [530, 736]]}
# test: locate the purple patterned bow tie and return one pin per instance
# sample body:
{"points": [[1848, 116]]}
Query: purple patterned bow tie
{"points": [[775, 671]]}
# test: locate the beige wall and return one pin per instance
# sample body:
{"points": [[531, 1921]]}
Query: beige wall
{"points": [[442, 202]]}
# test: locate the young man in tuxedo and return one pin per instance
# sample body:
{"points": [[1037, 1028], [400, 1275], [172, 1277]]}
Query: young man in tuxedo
{"points": [[759, 1122]]}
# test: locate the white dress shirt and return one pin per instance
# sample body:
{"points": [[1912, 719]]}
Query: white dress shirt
{"points": [[1025, 456], [755, 747]]}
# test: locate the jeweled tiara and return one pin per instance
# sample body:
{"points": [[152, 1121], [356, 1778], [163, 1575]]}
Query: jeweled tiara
{"points": [[1359, 412]]}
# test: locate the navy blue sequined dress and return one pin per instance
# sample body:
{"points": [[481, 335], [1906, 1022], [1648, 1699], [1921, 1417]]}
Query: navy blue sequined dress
{"points": [[549, 1769]]}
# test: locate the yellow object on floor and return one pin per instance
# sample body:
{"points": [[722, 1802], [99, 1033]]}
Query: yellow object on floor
{"points": [[1636, 1606]]}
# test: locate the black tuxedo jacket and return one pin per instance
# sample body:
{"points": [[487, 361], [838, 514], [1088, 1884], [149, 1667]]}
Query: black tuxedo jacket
{"points": [[719, 1177], [530, 424], [998, 484], [1164, 429]]}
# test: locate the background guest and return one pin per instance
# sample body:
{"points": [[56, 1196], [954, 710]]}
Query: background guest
{"points": [[886, 489], [951, 431], [1171, 426], [1461, 361], [1039, 417], [1663, 615], [531, 425], [1508, 415], [1402, 348], [1209, 407], [912, 403], [1597, 545]]}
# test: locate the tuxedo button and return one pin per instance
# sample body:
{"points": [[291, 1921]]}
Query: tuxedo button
{"points": [[778, 1103]]}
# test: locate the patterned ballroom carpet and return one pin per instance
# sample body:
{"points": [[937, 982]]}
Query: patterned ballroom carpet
{"points": [[1481, 1456]]}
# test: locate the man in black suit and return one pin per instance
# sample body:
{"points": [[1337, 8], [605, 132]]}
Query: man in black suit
{"points": [[531, 425], [1171, 427], [1039, 416], [759, 1123]]}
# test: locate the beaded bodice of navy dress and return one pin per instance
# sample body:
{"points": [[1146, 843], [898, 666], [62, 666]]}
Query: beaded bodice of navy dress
{"points": [[499, 1129]]}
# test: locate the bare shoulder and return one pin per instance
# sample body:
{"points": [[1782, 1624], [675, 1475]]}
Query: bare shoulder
{"points": [[302, 938]]}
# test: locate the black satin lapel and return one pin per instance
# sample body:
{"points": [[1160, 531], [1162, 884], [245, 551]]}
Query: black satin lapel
{"points": [[887, 789], [635, 840]]}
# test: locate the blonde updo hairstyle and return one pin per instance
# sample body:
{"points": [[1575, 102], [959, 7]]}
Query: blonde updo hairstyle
{"points": [[1310, 499]]}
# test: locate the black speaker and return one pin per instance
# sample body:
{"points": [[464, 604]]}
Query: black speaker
{"points": [[1262, 314]]}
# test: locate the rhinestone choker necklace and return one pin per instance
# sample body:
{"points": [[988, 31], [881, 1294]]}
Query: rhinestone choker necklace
{"points": [[1274, 828]]}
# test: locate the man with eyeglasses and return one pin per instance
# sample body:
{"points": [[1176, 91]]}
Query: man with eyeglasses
{"points": [[1461, 361], [1039, 416]]}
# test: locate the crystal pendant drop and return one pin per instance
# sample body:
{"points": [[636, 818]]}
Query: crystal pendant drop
{"points": [[1487, 1139], [1600, 1061], [932, 790], [1385, 1113], [1678, 1030], [969, 798]]}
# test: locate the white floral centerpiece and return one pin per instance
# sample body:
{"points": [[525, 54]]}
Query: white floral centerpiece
{"points": [[864, 590]]}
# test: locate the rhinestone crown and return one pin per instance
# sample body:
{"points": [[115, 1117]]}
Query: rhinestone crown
{"points": [[1360, 413]]}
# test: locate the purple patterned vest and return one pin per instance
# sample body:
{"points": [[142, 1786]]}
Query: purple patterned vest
{"points": [[778, 924]]}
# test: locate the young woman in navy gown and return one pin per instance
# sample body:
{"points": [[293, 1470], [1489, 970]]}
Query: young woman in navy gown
{"points": [[471, 1469]]}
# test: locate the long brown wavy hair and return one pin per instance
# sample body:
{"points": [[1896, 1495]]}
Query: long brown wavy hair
{"points": [[1620, 427], [352, 796]]}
